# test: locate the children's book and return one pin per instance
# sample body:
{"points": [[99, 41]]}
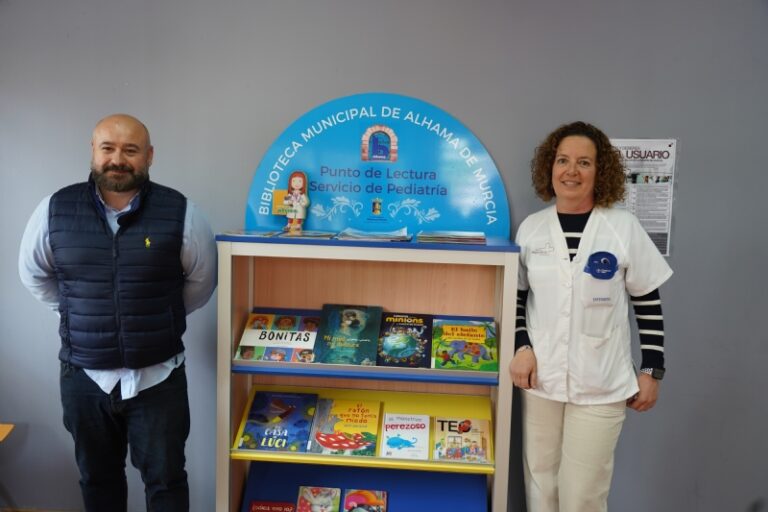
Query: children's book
{"points": [[465, 343], [318, 499], [273, 334], [276, 421], [462, 440], [345, 427], [271, 506], [364, 500], [405, 339], [348, 334], [405, 436]]}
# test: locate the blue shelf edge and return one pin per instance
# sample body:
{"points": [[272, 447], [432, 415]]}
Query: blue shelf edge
{"points": [[368, 372], [493, 244]]}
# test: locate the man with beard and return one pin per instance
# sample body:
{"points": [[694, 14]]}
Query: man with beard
{"points": [[123, 260]]}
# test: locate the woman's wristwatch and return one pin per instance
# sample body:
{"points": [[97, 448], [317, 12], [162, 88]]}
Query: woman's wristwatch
{"points": [[656, 373]]}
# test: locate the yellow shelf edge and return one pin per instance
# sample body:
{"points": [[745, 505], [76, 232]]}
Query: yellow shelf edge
{"points": [[369, 462]]}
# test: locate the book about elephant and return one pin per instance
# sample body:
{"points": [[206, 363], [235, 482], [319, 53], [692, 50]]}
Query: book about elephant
{"points": [[465, 343], [405, 436]]}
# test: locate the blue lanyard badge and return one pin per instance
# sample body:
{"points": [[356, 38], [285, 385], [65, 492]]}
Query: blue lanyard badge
{"points": [[601, 265]]}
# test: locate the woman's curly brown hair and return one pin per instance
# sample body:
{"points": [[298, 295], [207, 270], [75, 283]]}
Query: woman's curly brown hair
{"points": [[610, 176]]}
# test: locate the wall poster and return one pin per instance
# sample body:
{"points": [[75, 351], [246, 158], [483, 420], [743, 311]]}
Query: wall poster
{"points": [[650, 165]]}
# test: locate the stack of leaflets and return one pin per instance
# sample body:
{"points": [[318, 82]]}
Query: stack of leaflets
{"points": [[451, 237], [308, 234], [398, 235], [254, 232]]}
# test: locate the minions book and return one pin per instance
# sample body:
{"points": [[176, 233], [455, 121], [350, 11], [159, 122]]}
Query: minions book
{"points": [[405, 339], [277, 421], [465, 343], [462, 440]]}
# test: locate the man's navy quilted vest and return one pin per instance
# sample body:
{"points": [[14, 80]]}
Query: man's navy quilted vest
{"points": [[121, 299]]}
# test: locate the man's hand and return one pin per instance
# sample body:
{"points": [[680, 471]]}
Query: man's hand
{"points": [[646, 398], [523, 369]]}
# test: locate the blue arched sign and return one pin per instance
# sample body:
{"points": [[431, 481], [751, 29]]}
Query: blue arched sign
{"points": [[381, 162]]}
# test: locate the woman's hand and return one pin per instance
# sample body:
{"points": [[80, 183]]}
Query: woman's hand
{"points": [[646, 398], [523, 369]]}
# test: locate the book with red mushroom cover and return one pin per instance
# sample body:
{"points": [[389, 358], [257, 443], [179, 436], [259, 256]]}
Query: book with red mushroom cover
{"points": [[345, 427]]}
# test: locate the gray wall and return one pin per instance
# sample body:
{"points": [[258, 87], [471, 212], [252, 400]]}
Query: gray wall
{"points": [[216, 82]]}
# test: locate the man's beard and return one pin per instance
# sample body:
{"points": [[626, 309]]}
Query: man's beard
{"points": [[131, 179]]}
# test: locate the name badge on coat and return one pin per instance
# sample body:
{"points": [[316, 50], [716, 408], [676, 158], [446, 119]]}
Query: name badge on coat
{"points": [[601, 266]]}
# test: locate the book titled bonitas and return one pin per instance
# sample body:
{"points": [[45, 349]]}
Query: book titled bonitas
{"points": [[277, 335]]}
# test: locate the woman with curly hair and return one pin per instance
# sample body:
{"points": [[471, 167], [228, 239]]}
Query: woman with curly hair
{"points": [[581, 261]]}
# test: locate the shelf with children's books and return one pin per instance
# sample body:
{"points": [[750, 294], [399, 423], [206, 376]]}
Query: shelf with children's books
{"points": [[398, 277], [431, 405]]}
